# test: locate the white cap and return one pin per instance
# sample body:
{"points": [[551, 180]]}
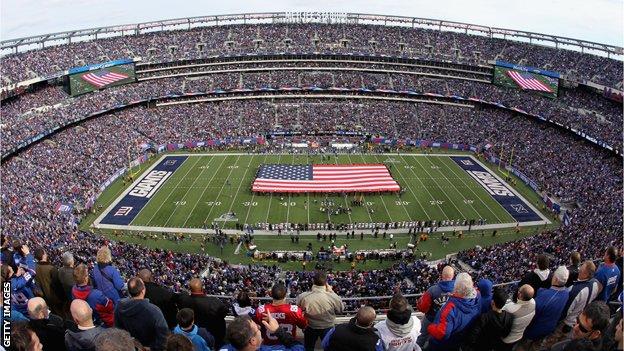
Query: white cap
{"points": [[561, 274]]}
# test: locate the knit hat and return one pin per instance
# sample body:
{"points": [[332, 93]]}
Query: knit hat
{"points": [[401, 317]]}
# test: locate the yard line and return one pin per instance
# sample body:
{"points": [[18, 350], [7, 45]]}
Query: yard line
{"points": [[203, 191], [253, 194], [470, 188], [170, 192], [407, 185], [399, 198], [239, 185], [426, 189], [345, 197], [271, 196], [220, 191], [380, 197], [363, 200], [444, 192], [185, 194], [288, 204]]}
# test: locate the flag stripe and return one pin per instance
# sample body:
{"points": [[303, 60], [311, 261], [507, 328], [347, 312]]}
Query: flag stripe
{"points": [[528, 83], [100, 80]]}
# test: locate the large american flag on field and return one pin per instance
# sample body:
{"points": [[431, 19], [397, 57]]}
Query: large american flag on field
{"points": [[528, 81], [281, 178], [102, 78]]}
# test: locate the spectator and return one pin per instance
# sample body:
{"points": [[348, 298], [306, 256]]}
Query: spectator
{"points": [[356, 335], [141, 319], [160, 296], [433, 299], [82, 338], [115, 339], [106, 277], [589, 330], [22, 284], [210, 312], [400, 330], [485, 288], [102, 307], [573, 268], [607, 275], [200, 337], [23, 338], [320, 305], [290, 317], [242, 306], [48, 327], [549, 305], [455, 317], [178, 342], [66, 276], [523, 311], [491, 327], [48, 280], [540, 276], [245, 335]]}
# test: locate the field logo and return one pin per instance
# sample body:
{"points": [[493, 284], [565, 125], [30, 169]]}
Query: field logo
{"points": [[519, 208], [490, 183], [123, 211], [150, 184]]}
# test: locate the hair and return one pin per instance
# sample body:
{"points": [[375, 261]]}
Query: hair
{"points": [[239, 331], [561, 274], [542, 262], [39, 252], [499, 296], [81, 274], [68, 259], [320, 278], [243, 299], [575, 257], [114, 339], [599, 313], [5, 272], [185, 317], [22, 337], [589, 267], [464, 286], [178, 342], [278, 291], [104, 255], [611, 253], [526, 292], [399, 302], [36, 306], [365, 316], [135, 286]]}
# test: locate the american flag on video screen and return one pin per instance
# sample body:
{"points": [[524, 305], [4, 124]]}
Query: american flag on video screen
{"points": [[280, 178], [102, 78], [527, 81]]}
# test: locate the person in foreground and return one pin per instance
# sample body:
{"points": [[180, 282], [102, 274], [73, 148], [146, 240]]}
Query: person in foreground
{"points": [[356, 335], [245, 335]]}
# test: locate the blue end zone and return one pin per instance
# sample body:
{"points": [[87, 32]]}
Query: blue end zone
{"points": [[142, 191], [516, 207]]}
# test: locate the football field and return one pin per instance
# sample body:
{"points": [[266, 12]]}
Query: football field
{"points": [[190, 192]]}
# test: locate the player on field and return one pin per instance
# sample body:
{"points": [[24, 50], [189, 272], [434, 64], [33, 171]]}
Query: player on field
{"points": [[289, 316]]}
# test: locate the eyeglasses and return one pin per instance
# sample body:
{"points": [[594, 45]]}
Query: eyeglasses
{"points": [[581, 327]]}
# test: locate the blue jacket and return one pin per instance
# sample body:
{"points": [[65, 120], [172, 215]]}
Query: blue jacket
{"points": [[549, 303], [433, 299], [201, 339], [485, 288], [452, 321], [607, 275], [21, 287], [108, 280]]}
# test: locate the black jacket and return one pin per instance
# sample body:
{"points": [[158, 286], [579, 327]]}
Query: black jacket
{"points": [[210, 313], [165, 299], [51, 332], [534, 280], [350, 337], [487, 332], [81, 340], [144, 321]]}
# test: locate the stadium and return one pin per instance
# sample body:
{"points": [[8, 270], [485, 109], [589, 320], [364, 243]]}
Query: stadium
{"points": [[226, 165]]}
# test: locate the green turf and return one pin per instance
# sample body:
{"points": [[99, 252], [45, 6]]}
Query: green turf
{"points": [[198, 193]]}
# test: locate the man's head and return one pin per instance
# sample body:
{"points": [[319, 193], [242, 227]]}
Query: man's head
{"points": [[81, 313], [448, 273], [526, 292], [178, 342], [592, 322], [114, 339], [145, 275], [24, 339], [136, 288], [278, 292], [499, 298], [68, 259], [610, 254], [560, 277], [196, 286], [41, 255], [575, 258], [464, 286], [399, 303], [185, 318], [104, 255], [587, 270], [320, 278], [244, 334], [542, 262], [37, 308], [81, 274], [365, 317]]}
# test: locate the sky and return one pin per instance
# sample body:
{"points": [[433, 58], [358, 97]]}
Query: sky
{"points": [[593, 20]]}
